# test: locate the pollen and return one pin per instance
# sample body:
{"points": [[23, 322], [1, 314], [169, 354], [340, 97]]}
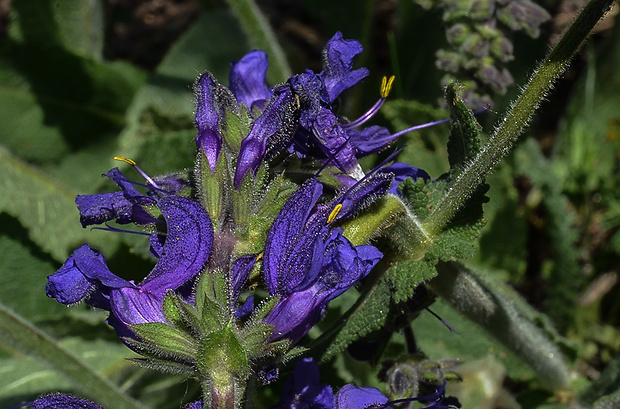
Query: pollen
{"points": [[126, 160], [334, 213], [386, 86]]}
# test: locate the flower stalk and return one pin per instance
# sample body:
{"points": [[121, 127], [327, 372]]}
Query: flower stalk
{"points": [[519, 116]]}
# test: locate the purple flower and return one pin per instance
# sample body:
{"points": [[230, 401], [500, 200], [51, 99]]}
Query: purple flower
{"points": [[271, 131], [304, 391], [247, 80], [212, 100], [355, 397], [308, 263], [338, 74], [62, 401], [85, 275], [322, 133], [119, 206]]}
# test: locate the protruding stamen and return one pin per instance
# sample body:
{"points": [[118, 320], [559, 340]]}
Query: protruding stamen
{"points": [[126, 160], [334, 213], [384, 91], [414, 128], [140, 171], [117, 230], [386, 86], [259, 257]]}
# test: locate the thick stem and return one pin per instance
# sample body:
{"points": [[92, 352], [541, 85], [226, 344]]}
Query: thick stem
{"points": [[497, 310], [514, 123]]}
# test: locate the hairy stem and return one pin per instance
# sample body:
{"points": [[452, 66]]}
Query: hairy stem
{"points": [[518, 117]]}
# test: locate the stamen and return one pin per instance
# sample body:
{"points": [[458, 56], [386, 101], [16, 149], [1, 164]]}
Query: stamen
{"points": [[429, 124], [434, 314], [384, 91], [126, 160], [331, 158], [334, 213], [140, 171], [117, 230], [259, 257], [414, 128], [386, 86]]}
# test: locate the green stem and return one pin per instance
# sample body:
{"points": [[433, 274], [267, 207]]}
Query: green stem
{"points": [[518, 117], [497, 309], [261, 36], [29, 340]]}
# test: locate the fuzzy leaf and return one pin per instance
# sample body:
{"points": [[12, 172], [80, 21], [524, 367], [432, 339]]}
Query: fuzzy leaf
{"points": [[405, 276], [368, 314], [166, 338], [45, 208], [464, 141]]}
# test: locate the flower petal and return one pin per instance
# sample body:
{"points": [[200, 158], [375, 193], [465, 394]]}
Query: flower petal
{"points": [[242, 267], [187, 246], [211, 101], [284, 235], [334, 142], [63, 401], [338, 64], [371, 139], [247, 79], [340, 266], [355, 397], [97, 209], [84, 275], [363, 194], [100, 208], [135, 306], [271, 131], [304, 390]]}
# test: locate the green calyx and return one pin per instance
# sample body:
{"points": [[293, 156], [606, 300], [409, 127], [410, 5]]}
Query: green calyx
{"points": [[247, 211], [206, 341]]}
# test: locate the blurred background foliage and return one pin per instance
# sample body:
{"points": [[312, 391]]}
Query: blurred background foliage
{"points": [[83, 80]]}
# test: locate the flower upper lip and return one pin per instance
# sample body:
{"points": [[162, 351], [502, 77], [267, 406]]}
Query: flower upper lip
{"points": [[86, 276]]}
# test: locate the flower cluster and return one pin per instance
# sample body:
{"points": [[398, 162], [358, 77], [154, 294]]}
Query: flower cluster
{"points": [[234, 224]]}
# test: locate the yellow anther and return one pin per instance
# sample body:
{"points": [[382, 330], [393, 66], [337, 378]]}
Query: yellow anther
{"points": [[386, 86], [259, 257], [334, 213], [126, 160]]}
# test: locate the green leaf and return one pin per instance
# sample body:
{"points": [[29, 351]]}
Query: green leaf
{"points": [[464, 142], [459, 238], [45, 208], [166, 339], [566, 274], [369, 313], [405, 276], [23, 274], [55, 108], [26, 377], [22, 336], [74, 25], [222, 357]]}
